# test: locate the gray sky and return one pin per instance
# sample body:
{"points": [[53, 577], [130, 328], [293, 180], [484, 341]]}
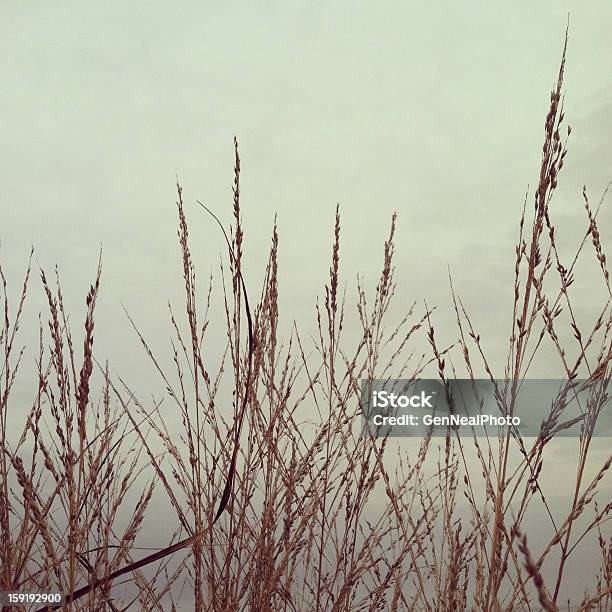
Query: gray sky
{"points": [[435, 110]]}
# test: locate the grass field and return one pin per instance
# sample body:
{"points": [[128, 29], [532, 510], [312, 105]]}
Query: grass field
{"points": [[271, 498]]}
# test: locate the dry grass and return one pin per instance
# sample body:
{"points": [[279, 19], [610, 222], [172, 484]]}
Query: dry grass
{"points": [[281, 505]]}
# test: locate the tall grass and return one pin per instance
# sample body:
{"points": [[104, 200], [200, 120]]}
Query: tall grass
{"points": [[278, 502]]}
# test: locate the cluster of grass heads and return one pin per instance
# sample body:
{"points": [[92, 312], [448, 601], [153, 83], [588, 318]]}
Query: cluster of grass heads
{"points": [[279, 502]]}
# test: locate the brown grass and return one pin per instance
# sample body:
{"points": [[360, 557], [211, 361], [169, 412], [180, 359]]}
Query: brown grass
{"points": [[278, 502]]}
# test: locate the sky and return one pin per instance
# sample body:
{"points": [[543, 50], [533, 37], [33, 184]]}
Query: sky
{"points": [[431, 109], [434, 110]]}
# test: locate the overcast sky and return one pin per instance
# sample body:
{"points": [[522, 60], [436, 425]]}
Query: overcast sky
{"points": [[433, 109]]}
